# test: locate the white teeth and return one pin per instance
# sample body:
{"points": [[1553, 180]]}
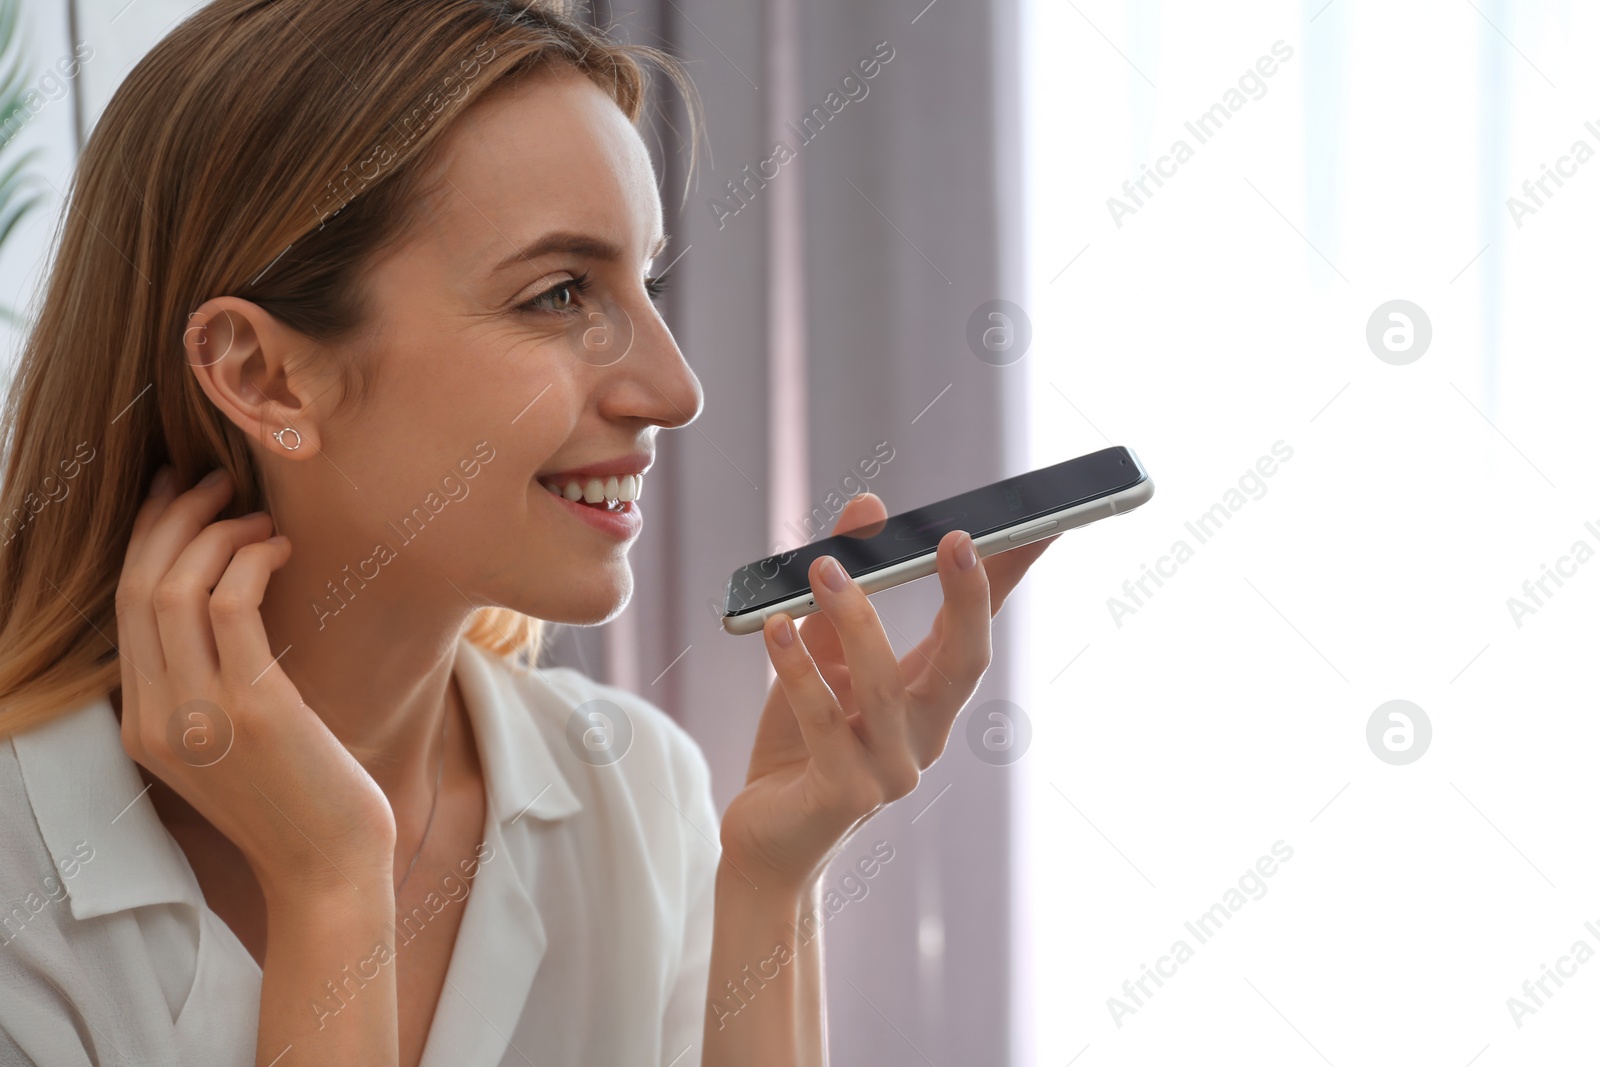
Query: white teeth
{"points": [[616, 488]]}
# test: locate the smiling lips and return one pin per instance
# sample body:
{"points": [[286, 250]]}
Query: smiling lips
{"points": [[610, 492]]}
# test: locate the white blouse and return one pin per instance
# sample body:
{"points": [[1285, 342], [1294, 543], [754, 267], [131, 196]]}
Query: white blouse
{"points": [[586, 937]]}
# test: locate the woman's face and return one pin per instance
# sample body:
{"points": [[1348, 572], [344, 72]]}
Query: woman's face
{"points": [[494, 372]]}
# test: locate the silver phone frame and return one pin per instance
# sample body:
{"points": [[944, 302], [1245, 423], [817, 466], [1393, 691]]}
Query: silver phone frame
{"points": [[1001, 540]]}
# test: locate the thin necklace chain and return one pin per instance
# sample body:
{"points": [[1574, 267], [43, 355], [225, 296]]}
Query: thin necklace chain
{"points": [[437, 781]]}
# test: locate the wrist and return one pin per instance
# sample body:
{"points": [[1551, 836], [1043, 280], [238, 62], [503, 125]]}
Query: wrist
{"points": [[743, 871], [766, 895], [349, 890]]}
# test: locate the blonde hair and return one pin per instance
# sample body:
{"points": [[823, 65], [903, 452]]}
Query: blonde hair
{"points": [[265, 149]]}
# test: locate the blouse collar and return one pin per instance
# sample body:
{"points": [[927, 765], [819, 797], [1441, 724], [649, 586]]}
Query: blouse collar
{"points": [[97, 821]]}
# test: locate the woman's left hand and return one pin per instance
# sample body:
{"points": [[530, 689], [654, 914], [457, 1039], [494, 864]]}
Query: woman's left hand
{"points": [[848, 728]]}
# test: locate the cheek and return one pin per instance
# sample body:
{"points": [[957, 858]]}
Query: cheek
{"points": [[521, 380], [489, 407]]}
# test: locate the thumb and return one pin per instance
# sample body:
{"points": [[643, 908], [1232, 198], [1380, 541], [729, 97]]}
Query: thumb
{"points": [[863, 516]]}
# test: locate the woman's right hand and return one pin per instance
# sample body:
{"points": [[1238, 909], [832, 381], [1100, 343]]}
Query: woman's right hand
{"points": [[207, 710]]}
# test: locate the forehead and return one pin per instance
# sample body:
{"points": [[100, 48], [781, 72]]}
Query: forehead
{"points": [[553, 151]]}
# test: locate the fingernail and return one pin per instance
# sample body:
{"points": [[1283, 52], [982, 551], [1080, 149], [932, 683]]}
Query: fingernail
{"points": [[783, 633], [162, 480], [214, 477], [966, 555], [833, 575], [254, 515]]}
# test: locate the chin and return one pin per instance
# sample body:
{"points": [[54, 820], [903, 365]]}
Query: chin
{"points": [[597, 601]]}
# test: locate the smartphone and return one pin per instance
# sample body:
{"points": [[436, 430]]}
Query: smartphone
{"points": [[1005, 515]]}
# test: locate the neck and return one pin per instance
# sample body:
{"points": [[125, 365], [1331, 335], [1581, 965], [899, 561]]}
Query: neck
{"points": [[376, 666]]}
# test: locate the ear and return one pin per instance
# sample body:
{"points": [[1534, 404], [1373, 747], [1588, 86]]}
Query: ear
{"points": [[256, 371]]}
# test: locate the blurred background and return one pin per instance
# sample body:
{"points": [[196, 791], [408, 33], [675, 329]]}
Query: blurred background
{"points": [[1326, 266]]}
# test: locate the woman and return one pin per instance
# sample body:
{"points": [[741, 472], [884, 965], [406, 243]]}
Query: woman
{"points": [[279, 785]]}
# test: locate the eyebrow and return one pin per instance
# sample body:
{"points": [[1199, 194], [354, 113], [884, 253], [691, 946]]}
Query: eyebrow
{"points": [[575, 244]]}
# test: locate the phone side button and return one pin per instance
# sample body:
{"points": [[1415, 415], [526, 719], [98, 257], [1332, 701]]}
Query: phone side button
{"points": [[1034, 531]]}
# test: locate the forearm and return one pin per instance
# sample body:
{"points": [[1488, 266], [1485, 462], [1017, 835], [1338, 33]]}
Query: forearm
{"points": [[811, 1005], [328, 982], [765, 989]]}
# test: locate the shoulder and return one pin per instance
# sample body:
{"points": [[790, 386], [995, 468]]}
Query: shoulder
{"points": [[613, 785], [29, 869], [42, 948], [635, 781], [602, 724]]}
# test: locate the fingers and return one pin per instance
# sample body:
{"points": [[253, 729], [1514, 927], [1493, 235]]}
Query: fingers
{"points": [[164, 527], [875, 679], [241, 636], [861, 514], [188, 603], [964, 649], [162, 489], [184, 602], [137, 637], [833, 745], [1005, 569], [180, 519], [955, 655]]}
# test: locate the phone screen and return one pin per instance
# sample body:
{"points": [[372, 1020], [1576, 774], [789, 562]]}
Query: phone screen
{"points": [[917, 532]]}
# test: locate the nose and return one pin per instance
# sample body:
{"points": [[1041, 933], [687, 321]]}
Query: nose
{"points": [[653, 381]]}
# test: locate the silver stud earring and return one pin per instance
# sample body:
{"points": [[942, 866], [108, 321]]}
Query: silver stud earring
{"points": [[278, 436]]}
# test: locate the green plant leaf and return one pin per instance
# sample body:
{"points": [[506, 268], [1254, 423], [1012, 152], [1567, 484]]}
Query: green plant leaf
{"points": [[14, 78]]}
